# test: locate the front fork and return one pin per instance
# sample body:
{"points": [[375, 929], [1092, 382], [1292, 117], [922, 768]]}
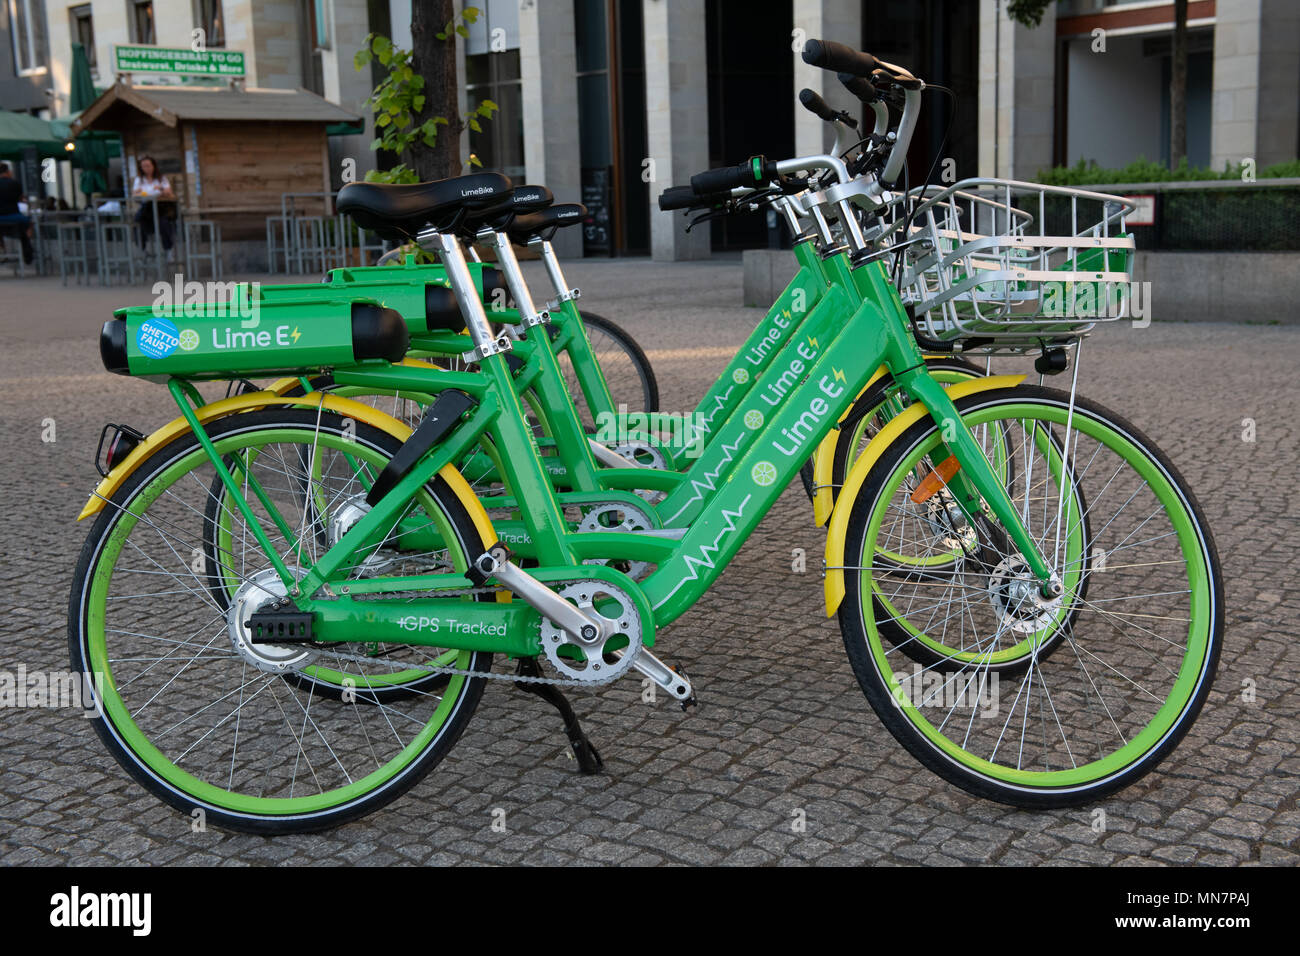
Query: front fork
{"points": [[975, 479]]}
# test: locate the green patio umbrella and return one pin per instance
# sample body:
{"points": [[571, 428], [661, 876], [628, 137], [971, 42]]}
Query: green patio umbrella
{"points": [[20, 130], [91, 153]]}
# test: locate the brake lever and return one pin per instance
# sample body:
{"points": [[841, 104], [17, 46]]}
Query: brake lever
{"points": [[708, 217]]}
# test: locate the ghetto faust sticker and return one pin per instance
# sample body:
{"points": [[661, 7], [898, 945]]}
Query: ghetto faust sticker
{"points": [[158, 338]]}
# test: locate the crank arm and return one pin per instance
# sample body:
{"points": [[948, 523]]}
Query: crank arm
{"points": [[496, 563], [670, 680], [609, 457]]}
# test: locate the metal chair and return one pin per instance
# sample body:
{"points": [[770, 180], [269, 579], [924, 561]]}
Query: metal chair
{"points": [[309, 249], [115, 241], [364, 246], [73, 248], [193, 236], [279, 244], [12, 254]]}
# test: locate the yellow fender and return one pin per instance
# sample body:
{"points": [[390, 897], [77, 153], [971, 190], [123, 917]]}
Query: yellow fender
{"points": [[839, 525], [824, 458], [256, 400]]}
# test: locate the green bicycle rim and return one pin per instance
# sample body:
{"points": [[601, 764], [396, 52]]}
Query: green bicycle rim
{"points": [[117, 714], [1074, 546], [1193, 662]]}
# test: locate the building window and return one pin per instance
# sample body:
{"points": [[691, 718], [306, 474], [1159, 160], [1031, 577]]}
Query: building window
{"points": [[211, 20], [140, 15], [27, 31], [320, 20], [492, 73], [83, 30]]}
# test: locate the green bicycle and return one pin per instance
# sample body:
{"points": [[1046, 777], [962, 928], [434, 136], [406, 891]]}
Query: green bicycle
{"points": [[1074, 561]]}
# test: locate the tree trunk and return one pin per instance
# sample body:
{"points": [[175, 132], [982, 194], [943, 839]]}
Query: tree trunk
{"points": [[1178, 88], [435, 60]]}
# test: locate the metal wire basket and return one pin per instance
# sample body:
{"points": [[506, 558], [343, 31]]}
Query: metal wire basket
{"points": [[999, 264]]}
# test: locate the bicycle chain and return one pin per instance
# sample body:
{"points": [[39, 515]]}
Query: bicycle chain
{"points": [[487, 675]]}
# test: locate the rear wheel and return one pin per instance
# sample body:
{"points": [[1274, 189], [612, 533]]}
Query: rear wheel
{"points": [[254, 735], [627, 370]]}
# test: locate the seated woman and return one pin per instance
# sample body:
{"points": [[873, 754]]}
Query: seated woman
{"points": [[150, 186]]}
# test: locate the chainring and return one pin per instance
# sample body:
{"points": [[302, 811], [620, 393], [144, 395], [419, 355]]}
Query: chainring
{"points": [[617, 516], [598, 664]]}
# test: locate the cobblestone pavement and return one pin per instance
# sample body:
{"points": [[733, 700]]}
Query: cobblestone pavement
{"points": [[782, 726]]}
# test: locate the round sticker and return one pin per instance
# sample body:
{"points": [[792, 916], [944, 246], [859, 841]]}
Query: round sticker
{"points": [[189, 340], [158, 338], [740, 376], [763, 473]]}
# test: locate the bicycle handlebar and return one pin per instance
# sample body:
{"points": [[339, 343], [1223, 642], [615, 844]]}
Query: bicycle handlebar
{"points": [[830, 55], [906, 125], [859, 86], [682, 197], [754, 173], [813, 102]]}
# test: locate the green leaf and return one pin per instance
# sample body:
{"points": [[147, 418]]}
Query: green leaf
{"points": [[376, 144], [474, 161], [383, 45], [440, 36], [473, 124], [471, 14], [417, 102], [383, 119], [463, 31], [361, 58]]}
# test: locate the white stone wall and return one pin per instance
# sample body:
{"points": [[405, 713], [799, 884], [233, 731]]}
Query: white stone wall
{"points": [[677, 116], [548, 66], [839, 20], [1235, 101]]}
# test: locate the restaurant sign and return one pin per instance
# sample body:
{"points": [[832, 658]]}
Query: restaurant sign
{"points": [[156, 59]]}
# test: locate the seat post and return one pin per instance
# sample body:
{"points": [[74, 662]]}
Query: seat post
{"points": [[462, 285], [509, 264], [546, 251]]}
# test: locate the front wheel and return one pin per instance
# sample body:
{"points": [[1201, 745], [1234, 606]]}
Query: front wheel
{"points": [[1134, 638]]}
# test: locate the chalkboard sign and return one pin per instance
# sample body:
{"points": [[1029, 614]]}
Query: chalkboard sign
{"points": [[597, 196], [29, 172]]}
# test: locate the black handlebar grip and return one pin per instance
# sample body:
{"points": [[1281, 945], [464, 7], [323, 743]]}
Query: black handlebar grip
{"points": [[859, 87], [816, 105], [750, 175], [677, 197], [830, 55]]}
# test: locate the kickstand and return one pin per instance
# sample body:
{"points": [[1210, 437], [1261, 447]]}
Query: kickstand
{"points": [[588, 757]]}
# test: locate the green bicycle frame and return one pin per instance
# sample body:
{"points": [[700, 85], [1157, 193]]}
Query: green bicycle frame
{"points": [[859, 325]]}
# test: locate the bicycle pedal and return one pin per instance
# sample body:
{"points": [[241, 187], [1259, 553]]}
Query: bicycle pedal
{"points": [[280, 627], [692, 700]]}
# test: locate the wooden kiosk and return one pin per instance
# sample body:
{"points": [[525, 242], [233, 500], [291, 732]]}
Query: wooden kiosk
{"points": [[230, 153]]}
